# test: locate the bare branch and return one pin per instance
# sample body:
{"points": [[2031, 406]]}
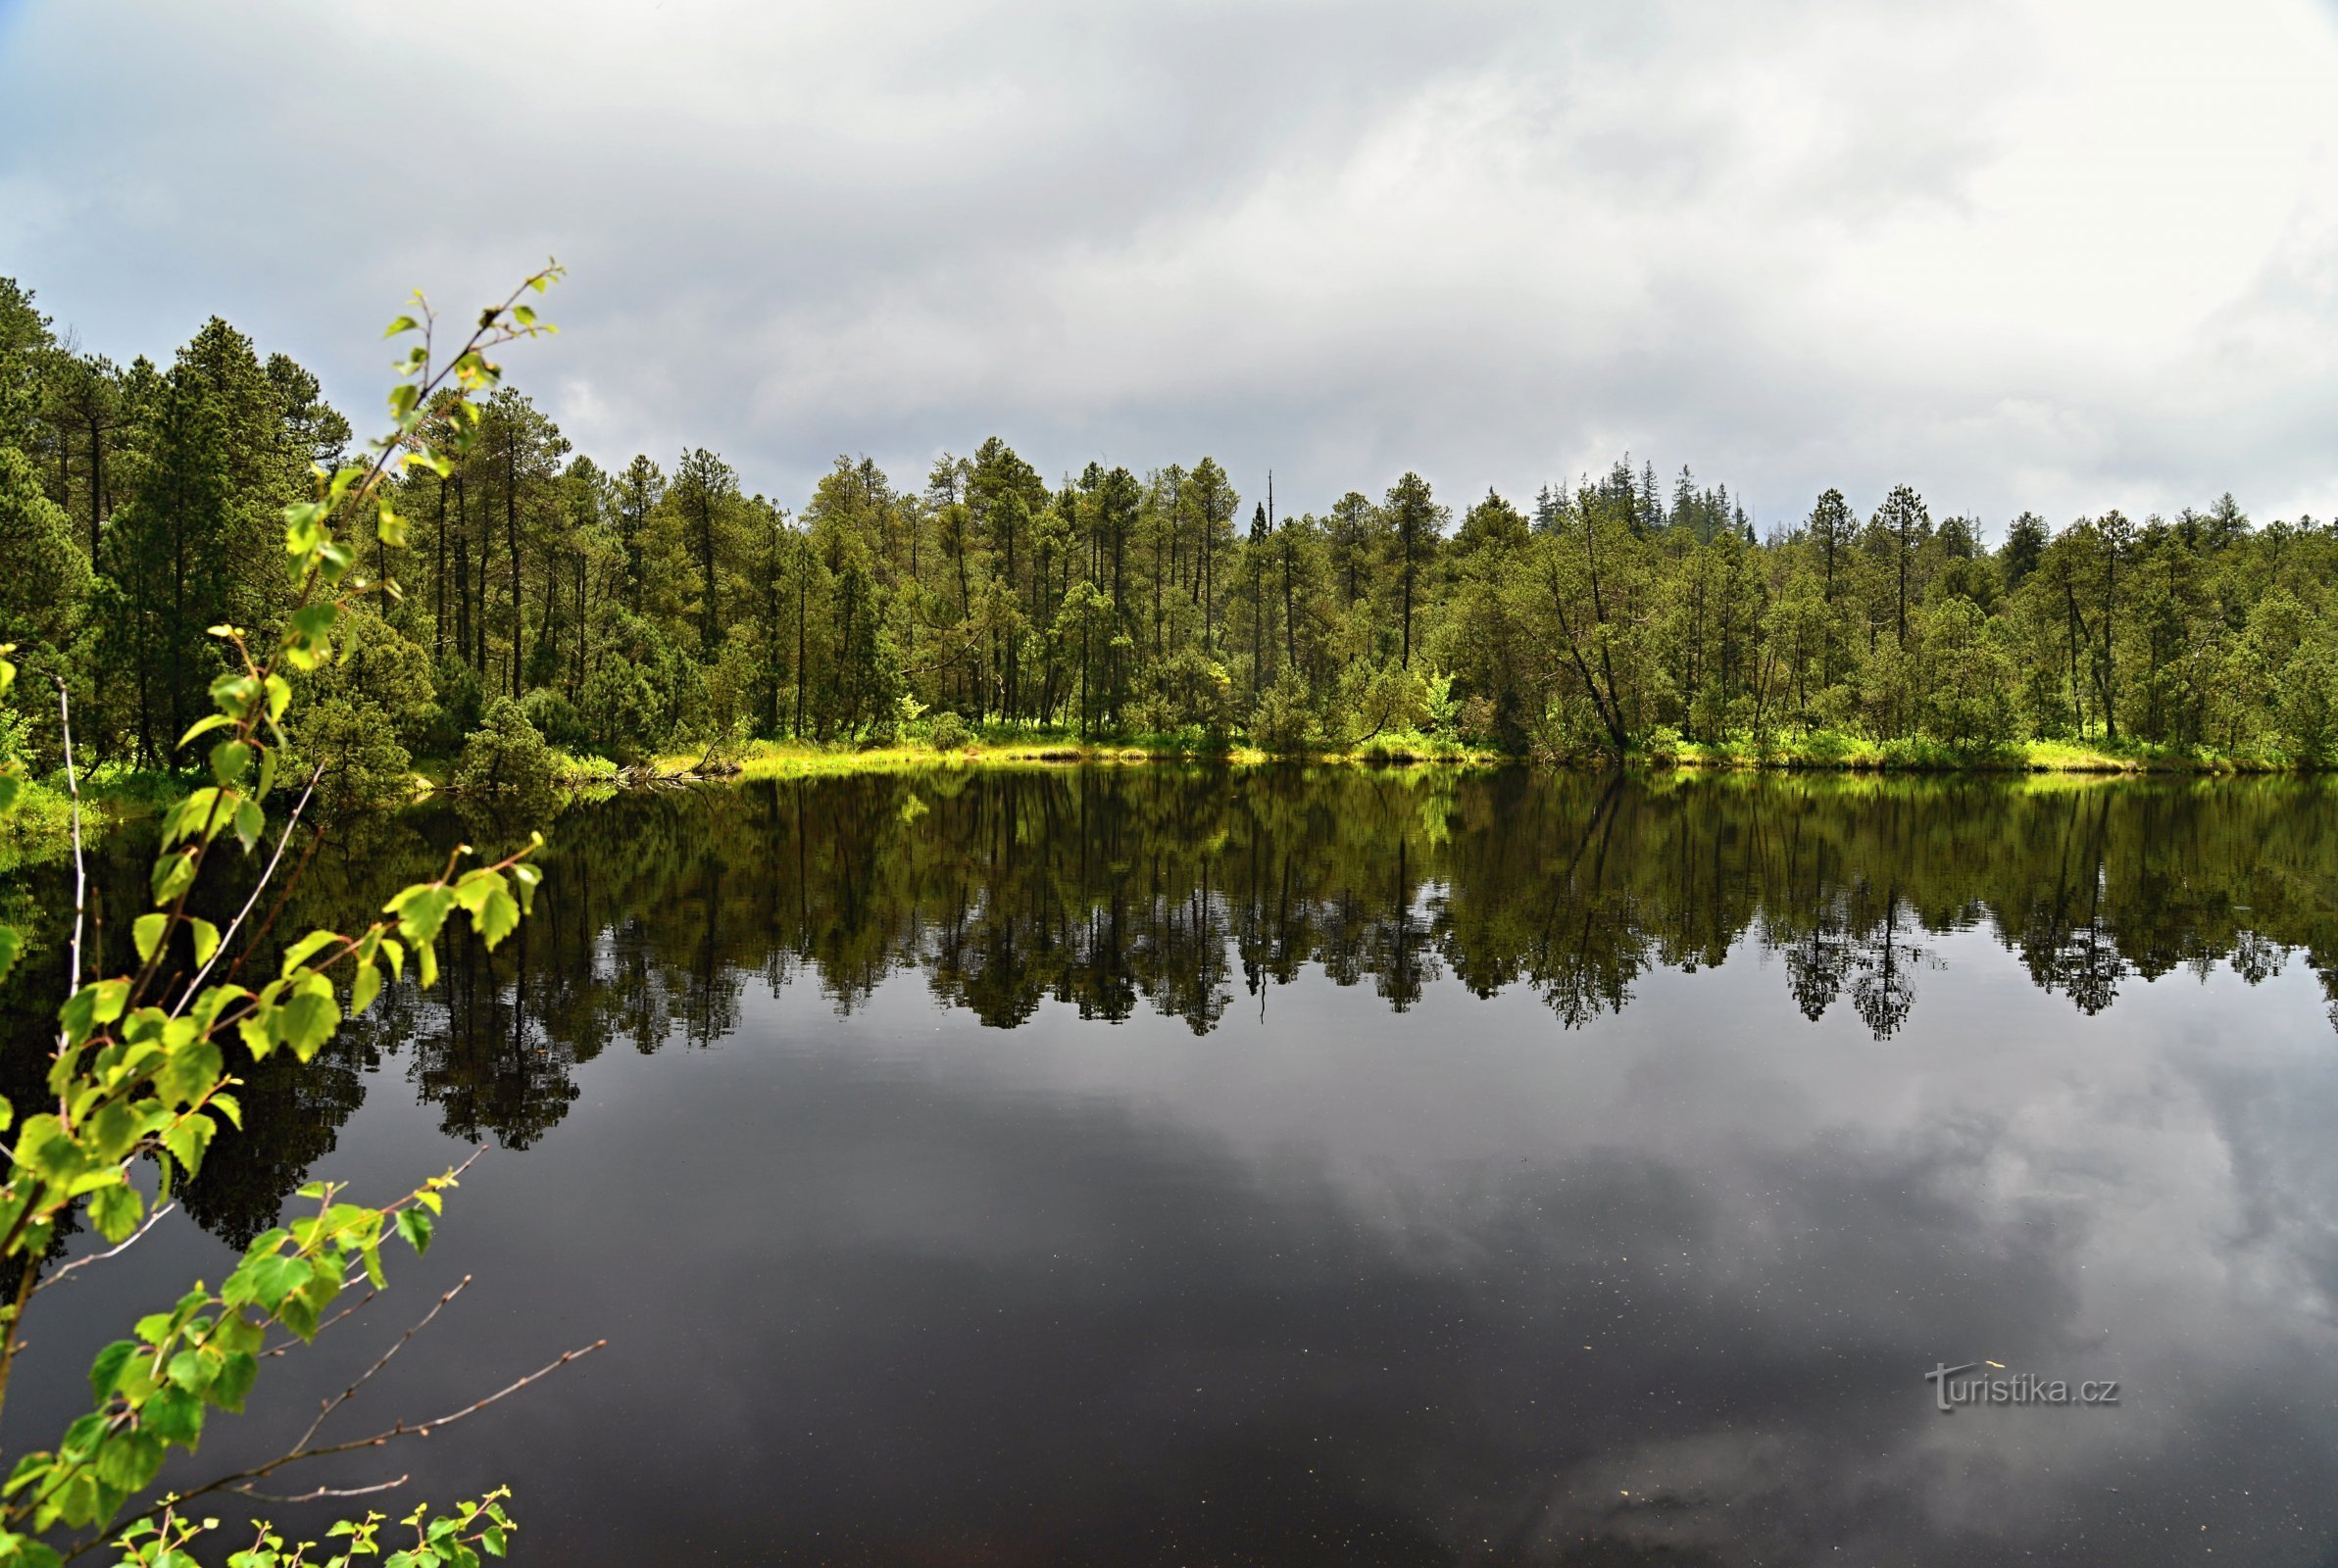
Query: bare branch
{"points": [[228, 937], [324, 1491], [73, 787], [426, 1428], [284, 893], [99, 1257], [401, 1429], [321, 1327], [343, 1398]]}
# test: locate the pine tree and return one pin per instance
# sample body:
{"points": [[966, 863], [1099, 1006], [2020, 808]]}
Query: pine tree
{"points": [[1416, 525]]}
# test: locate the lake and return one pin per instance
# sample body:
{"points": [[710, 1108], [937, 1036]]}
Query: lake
{"points": [[1201, 1166]]}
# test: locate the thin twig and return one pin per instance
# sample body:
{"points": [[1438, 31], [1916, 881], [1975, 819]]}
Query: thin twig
{"points": [[328, 1407], [356, 1271], [99, 1257], [454, 1177], [421, 1429], [269, 923], [324, 1491], [320, 1328], [426, 1428], [228, 937], [73, 787]]}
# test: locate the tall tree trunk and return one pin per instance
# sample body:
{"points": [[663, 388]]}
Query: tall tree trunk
{"points": [[803, 585], [468, 644], [1290, 622], [98, 484], [511, 535], [439, 607]]}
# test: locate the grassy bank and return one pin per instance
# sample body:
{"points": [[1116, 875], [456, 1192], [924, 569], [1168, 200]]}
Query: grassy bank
{"points": [[803, 760], [40, 830], [1823, 752], [1833, 750]]}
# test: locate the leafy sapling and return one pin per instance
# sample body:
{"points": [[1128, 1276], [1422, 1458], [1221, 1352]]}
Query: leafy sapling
{"points": [[141, 1072]]}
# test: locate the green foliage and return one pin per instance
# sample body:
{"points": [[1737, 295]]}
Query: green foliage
{"points": [[461, 704], [383, 672], [353, 749], [1662, 745], [506, 755], [619, 710], [25, 341], [47, 578], [1385, 700], [633, 608], [947, 732], [449, 1541], [1198, 691], [142, 1074], [2306, 701], [1281, 724], [555, 717]]}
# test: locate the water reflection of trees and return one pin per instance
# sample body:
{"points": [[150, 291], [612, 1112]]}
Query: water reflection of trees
{"points": [[1107, 890]]}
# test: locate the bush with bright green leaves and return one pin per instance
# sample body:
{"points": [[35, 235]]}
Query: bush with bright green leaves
{"points": [[142, 1080], [948, 732]]}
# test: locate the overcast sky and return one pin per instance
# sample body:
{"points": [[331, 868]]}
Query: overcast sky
{"points": [[2051, 254]]}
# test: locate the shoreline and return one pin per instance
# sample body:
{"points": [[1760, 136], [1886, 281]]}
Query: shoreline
{"points": [[780, 759], [42, 834]]}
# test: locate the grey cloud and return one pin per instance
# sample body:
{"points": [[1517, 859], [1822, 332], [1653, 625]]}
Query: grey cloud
{"points": [[1498, 242]]}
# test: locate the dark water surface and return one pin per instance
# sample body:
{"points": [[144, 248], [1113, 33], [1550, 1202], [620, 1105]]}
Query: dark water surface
{"points": [[1174, 1167]]}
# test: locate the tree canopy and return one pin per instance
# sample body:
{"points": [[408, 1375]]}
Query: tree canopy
{"points": [[623, 603]]}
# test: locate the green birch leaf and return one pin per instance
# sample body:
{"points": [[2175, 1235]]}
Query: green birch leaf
{"points": [[364, 987], [116, 1211], [415, 1226], [107, 1368]]}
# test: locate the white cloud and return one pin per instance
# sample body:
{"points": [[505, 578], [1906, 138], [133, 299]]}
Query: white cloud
{"points": [[2028, 253]]}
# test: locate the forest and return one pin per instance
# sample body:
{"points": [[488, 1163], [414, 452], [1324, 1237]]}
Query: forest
{"points": [[620, 608]]}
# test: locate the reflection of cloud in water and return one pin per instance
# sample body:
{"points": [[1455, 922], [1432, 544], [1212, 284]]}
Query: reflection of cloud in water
{"points": [[1014, 1317]]}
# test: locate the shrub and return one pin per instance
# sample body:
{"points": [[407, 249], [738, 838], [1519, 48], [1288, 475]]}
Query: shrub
{"points": [[1441, 710], [1662, 745], [1281, 723], [1382, 699], [460, 704], [555, 718], [1150, 715], [1827, 747], [948, 732], [619, 710], [506, 754], [383, 670], [2306, 703], [544, 662], [356, 748], [1197, 690]]}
